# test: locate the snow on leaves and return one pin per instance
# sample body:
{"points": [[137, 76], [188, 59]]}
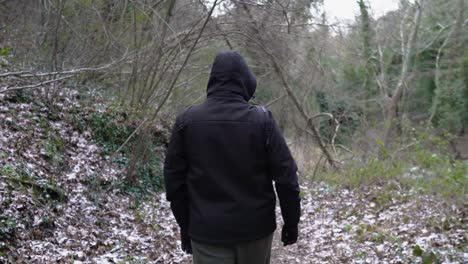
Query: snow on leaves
{"points": [[99, 224], [340, 226]]}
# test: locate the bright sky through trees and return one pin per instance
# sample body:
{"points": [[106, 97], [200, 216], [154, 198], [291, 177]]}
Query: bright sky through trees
{"points": [[343, 10]]}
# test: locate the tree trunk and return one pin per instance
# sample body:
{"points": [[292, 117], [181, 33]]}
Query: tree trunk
{"points": [[407, 50], [367, 48]]}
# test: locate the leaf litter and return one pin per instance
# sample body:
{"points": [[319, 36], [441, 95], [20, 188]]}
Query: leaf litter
{"points": [[96, 224]]}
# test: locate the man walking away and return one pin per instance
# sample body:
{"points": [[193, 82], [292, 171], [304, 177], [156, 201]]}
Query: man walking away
{"points": [[222, 160]]}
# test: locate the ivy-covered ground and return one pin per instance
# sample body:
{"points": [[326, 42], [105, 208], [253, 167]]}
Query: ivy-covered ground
{"points": [[60, 204]]}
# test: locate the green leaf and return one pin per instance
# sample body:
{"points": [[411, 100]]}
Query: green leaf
{"points": [[446, 225], [417, 251], [86, 3], [429, 258], [5, 51]]}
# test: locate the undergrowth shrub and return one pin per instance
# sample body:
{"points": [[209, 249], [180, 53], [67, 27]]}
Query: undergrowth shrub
{"points": [[20, 178], [110, 130], [38, 192], [349, 118], [139, 158], [425, 164], [7, 228]]}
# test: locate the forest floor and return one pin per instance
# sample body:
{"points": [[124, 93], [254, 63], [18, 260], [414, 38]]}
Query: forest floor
{"points": [[58, 206]]}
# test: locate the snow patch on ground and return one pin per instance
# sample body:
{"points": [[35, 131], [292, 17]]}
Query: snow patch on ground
{"points": [[99, 224]]}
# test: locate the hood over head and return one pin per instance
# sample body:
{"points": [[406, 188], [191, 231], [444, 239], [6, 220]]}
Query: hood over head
{"points": [[231, 75]]}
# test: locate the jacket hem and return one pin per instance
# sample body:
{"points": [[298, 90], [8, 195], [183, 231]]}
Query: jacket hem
{"points": [[232, 241]]}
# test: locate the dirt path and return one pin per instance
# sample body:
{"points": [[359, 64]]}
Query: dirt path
{"points": [[337, 226], [340, 226]]}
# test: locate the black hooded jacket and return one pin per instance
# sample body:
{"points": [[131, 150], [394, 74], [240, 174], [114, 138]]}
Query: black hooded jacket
{"points": [[222, 160]]}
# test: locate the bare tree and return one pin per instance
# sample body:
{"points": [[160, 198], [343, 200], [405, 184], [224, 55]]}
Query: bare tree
{"points": [[275, 50], [408, 37]]}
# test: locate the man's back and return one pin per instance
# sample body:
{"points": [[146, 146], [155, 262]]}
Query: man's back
{"points": [[231, 193], [221, 163]]}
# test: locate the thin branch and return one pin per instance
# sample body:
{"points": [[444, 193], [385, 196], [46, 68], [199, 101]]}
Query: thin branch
{"points": [[27, 74], [322, 115], [218, 28], [344, 148], [335, 131], [275, 100], [403, 148], [171, 87], [36, 85], [289, 91], [430, 43], [128, 139], [169, 92]]}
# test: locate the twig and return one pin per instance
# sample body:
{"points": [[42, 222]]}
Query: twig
{"points": [[275, 100], [279, 70], [335, 132], [169, 92], [317, 167], [344, 148], [26, 74], [36, 85], [171, 87], [404, 148], [128, 139], [322, 115]]}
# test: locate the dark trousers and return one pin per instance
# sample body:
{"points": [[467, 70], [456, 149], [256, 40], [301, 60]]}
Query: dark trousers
{"points": [[252, 252]]}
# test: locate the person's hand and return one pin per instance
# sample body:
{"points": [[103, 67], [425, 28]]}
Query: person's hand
{"points": [[186, 242], [289, 235]]}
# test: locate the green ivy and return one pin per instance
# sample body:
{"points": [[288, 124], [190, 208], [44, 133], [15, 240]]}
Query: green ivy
{"points": [[111, 129], [6, 51], [7, 227]]}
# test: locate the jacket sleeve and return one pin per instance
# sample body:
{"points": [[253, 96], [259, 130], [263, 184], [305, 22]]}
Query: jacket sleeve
{"points": [[283, 169], [175, 174]]}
